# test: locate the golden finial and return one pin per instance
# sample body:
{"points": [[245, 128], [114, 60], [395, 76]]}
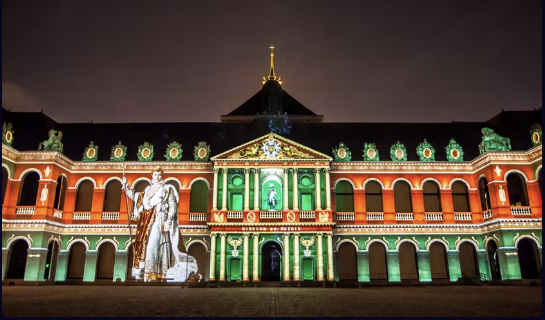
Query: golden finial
{"points": [[272, 75]]}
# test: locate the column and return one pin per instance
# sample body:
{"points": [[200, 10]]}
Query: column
{"points": [[330, 273], [363, 266], [213, 256], [222, 257], [296, 267], [256, 257], [285, 190], [245, 262], [392, 258], [215, 192], [256, 189], [5, 253], [295, 192], [484, 265], [509, 263], [246, 189], [286, 257], [424, 268], [62, 265], [454, 269], [327, 190], [320, 254], [35, 264], [224, 198], [317, 181], [90, 270], [120, 266]]}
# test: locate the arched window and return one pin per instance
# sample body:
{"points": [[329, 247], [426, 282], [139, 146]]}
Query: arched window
{"points": [[344, 197], [378, 263], [198, 201], [84, 197], [516, 188], [112, 197], [432, 197], [373, 197], [402, 197], [60, 192], [29, 189], [460, 197], [106, 261], [484, 195], [141, 185], [4, 182], [539, 180]]}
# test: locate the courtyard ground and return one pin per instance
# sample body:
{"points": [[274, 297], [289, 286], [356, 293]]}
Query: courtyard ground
{"points": [[92, 300]]}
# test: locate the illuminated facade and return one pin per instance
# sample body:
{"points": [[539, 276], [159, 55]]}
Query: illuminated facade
{"points": [[281, 200]]}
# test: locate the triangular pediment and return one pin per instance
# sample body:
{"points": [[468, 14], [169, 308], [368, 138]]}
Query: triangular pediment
{"points": [[271, 147]]}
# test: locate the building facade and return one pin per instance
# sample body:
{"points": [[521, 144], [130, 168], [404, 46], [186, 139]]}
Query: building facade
{"points": [[283, 198]]}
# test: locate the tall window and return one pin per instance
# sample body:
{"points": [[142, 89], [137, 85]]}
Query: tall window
{"points": [[344, 197], [460, 197], [432, 197], [402, 197], [373, 197]]}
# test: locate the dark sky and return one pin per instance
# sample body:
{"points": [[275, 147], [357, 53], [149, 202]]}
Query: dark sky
{"points": [[352, 61]]}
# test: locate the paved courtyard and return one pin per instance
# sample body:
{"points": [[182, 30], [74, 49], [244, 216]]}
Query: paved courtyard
{"points": [[93, 300]]}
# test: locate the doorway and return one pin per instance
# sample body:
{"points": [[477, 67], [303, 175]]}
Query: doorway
{"points": [[271, 261]]}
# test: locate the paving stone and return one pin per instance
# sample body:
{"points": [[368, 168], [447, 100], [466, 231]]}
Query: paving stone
{"points": [[172, 301]]}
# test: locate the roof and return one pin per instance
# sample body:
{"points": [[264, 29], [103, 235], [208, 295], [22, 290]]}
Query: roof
{"points": [[32, 128]]}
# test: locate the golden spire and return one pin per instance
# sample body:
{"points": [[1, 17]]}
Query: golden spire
{"points": [[272, 75]]}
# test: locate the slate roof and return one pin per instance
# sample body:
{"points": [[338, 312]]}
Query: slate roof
{"points": [[32, 128]]}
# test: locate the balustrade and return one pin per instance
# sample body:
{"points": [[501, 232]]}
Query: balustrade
{"points": [[307, 215], [520, 211], [82, 216], [434, 216], [404, 216], [25, 210], [464, 216], [270, 214], [375, 216], [235, 214], [110, 216], [198, 217], [346, 216]]}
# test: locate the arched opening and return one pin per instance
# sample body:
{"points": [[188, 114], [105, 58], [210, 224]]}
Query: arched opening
{"points": [[112, 197], [199, 197], [516, 188], [460, 197], [408, 262], [106, 261], [198, 251], [29, 189], [493, 260], [378, 265], [271, 261], [130, 261], [60, 192], [76, 261], [373, 197], [483, 194], [141, 185], [539, 180], [51, 260], [17, 260], [84, 196], [344, 197], [5, 177], [530, 264], [402, 197], [347, 262], [468, 260], [438, 262], [432, 197]]}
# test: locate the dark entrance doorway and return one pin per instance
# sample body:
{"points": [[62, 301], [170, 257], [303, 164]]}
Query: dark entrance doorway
{"points": [[271, 261], [530, 266], [494, 260], [17, 260]]}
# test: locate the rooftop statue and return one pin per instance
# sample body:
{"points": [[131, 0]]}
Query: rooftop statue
{"points": [[493, 142], [53, 143]]}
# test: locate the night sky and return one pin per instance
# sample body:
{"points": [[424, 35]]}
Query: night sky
{"points": [[191, 61]]}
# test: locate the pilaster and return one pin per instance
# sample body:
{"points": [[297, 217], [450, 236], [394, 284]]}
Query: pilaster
{"points": [[35, 264], [90, 271], [120, 266], [363, 266], [454, 268], [394, 274], [424, 268], [509, 263]]}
